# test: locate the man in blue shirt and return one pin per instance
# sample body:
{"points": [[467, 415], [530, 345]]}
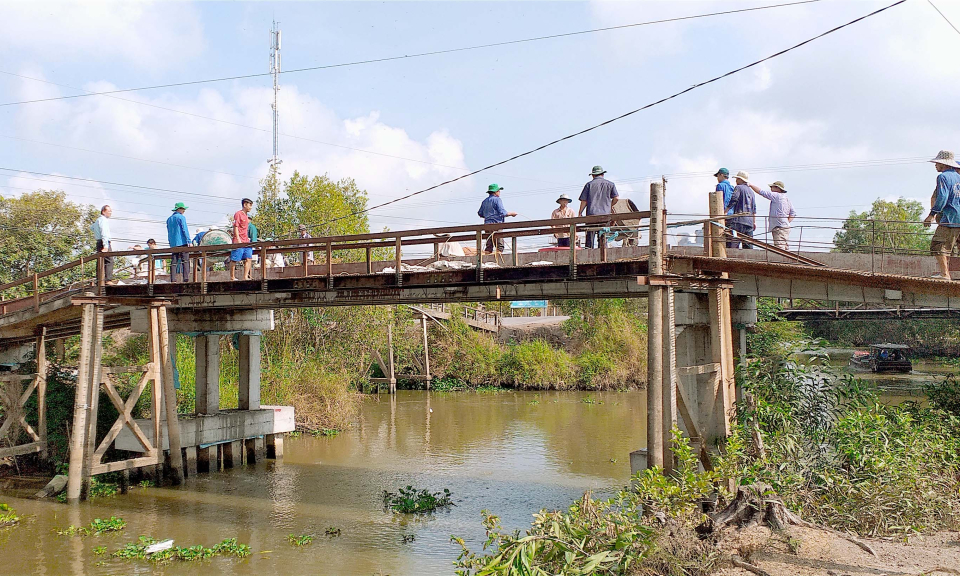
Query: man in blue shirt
{"points": [[724, 185], [178, 235], [493, 212], [946, 210], [742, 201], [598, 197], [101, 233]]}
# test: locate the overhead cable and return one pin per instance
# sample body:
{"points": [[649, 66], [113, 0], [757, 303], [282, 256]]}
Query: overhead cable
{"points": [[944, 16], [622, 116], [416, 55]]}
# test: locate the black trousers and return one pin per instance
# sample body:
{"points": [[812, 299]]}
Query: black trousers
{"points": [[106, 260], [489, 246], [180, 266]]}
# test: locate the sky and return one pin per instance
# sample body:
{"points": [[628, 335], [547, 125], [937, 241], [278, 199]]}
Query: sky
{"points": [[842, 121]]}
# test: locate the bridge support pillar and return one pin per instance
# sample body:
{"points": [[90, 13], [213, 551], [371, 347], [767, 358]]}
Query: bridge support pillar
{"points": [[249, 391], [88, 384], [207, 396]]}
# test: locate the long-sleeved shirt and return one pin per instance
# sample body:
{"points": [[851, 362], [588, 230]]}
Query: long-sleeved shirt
{"points": [[599, 194], [492, 210], [561, 213], [727, 188], [947, 202], [101, 229], [177, 233], [781, 209], [199, 237], [742, 201]]}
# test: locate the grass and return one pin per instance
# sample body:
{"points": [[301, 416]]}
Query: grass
{"points": [[300, 540], [410, 500], [96, 528], [7, 516], [138, 551]]}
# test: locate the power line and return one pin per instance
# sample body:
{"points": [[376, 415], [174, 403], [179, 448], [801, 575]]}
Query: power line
{"points": [[944, 16], [622, 116], [416, 55]]}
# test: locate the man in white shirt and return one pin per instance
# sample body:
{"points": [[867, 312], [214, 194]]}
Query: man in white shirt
{"points": [[564, 211], [101, 233]]}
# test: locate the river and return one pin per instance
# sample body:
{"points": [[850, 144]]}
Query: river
{"points": [[512, 453]]}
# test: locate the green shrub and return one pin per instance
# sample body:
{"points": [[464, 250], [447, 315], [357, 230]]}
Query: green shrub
{"points": [[536, 364], [410, 500], [7, 516]]}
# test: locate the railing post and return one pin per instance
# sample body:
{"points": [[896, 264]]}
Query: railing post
{"points": [[513, 251], [398, 260], [602, 239], [873, 243], [480, 255], [717, 239], [151, 273], [369, 260], [304, 264], [573, 252], [36, 292], [263, 270], [329, 266]]}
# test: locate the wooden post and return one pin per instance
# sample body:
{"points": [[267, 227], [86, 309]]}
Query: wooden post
{"points": [[329, 265], [170, 398], [36, 292], [513, 251], [670, 378], [305, 271], [151, 273], [602, 242], [479, 255], [369, 260], [655, 440], [93, 400], [392, 367], [718, 405], [41, 353], [263, 268], [719, 245], [89, 341], [573, 252], [426, 350], [398, 255]]}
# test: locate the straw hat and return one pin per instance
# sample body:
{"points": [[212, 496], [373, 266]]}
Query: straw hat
{"points": [[946, 158], [778, 184], [563, 197], [742, 175]]}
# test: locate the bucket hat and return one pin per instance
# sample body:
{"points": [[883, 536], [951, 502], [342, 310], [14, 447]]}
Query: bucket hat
{"points": [[178, 206], [743, 176], [723, 171], [597, 171], [494, 188], [563, 197], [779, 184], [946, 158]]}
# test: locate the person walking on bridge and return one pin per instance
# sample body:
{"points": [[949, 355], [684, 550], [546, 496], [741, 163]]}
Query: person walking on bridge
{"points": [[493, 212], [598, 197], [178, 235], [781, 213], [742, 201], [946, 210], [101, 233], [241, 235]]}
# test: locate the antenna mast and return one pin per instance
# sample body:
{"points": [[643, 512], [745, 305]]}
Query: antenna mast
{"points": [[275, 70]]}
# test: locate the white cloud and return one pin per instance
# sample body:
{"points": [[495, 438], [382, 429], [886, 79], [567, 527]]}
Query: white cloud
{"points": [[146, 34]]}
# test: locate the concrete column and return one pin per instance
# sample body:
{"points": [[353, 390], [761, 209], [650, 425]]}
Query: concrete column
{"points": [[255, 450], [274, 446], [232, 454], [249, 392], [207, 459], [191, 461], [208, 374]]}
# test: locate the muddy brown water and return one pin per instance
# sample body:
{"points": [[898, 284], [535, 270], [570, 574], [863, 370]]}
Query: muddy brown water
{"points": [[512, 453]]}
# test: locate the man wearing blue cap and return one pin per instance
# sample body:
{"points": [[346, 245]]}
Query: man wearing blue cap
{"points": [[724, 185], [493, 212]]}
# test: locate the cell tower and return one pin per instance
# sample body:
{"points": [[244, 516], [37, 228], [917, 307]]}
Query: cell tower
{"points": [[275, 70]]}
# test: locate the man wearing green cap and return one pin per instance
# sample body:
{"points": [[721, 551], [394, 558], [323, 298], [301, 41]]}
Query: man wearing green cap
{"points": [[724, 185], [598, 197], [493, 212], [178, 235]]}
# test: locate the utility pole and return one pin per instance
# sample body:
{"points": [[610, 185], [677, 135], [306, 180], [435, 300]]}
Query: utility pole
{"points": [[275, 71]]}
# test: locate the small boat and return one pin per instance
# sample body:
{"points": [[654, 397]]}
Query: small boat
{"points": [[883, 358]]}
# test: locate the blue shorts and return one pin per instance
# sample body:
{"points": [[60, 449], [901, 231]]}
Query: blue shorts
{"points": [[241, 254]]}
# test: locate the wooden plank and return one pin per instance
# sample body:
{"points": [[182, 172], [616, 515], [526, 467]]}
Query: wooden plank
{"points": [[123, 369], [699, 369], [130, 464], [23, 449], [17, 377], [170, 398]]}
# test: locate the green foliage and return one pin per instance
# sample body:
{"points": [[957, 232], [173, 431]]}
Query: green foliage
{"points": [[138, 551], [536, 364], [927, 337], [773, 336], [96, 528], [889, 226], [466, 355], [7, 516], [41, 230], [300, 540], [315, 202], [610, 342], [944, 394], [100, 550], [410, 500]]}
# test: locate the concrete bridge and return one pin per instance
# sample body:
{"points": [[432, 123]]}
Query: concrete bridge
{"points": [[697, 298]]}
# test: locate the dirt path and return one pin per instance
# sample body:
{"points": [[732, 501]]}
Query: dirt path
{"points": [[811, 552]]}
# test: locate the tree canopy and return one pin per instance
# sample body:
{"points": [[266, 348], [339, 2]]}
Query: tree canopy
{"points": [[887, 226], [41, 230], [315, 202]]}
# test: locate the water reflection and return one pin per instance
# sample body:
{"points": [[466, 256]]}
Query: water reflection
{"points": [[511, 453]]}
